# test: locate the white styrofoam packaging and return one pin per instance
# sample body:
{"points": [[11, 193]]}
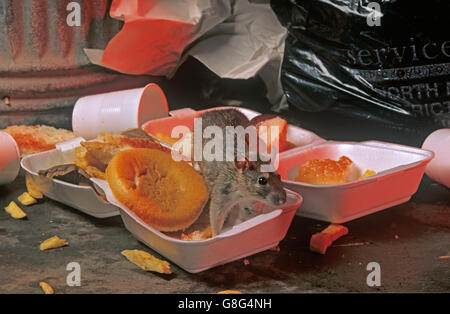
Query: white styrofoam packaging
{"points": [[9, 158], [255, 235], [399, 170], [83, 198], [117, 111], [439, 168]]}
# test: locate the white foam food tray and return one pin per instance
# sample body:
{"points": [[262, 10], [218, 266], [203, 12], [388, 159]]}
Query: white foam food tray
{"points": [[83, 198], [399, 170], [257, 234]]}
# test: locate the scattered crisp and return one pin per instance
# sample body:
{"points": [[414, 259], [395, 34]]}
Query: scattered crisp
{"points": [[367, 174], [229, 292], [52, 243], [46, 287], [15, 211], [147, 261], [320, 242], [26, 199], [32, 188]]}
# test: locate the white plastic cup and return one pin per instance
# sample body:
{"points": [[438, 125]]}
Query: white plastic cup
{"points": [[439, 167], [9, 158], [118, 111]]}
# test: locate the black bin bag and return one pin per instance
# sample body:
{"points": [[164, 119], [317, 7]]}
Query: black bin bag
{"points": [[386, 62]]}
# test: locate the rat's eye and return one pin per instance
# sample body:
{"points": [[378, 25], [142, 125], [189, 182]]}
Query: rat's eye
{"points": [[262, 180]]}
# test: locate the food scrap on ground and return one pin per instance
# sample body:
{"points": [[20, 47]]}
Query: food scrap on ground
{"points": [[46, 287], [52, 243], [320, 242], [32, 188], [147, 261], [26, 199], [15, 211], [229, 292]]}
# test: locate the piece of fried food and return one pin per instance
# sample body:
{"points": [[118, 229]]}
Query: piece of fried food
{"points": [[367, 174], [52, 243], [320, 242], [37, 138], [327, 171], [94, 157], [197, 235], [184, 145], [32, 188], [166, 138], [229, 292], [147, 261], [15, 211], [46, 287], [26, 199], [165, 194]]}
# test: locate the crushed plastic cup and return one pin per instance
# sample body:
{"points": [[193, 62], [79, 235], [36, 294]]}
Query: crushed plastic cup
{"points": [[439, 168], [9, 158], [118, 111]]}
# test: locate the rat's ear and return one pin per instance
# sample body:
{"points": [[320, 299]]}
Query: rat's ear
{"points": [[243, 164]]}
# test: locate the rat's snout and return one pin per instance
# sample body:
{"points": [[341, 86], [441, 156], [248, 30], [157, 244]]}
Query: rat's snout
{"points": [[278, 198]]}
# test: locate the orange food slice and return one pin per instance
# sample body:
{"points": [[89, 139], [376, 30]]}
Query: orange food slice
{"points": [[165, 194]]}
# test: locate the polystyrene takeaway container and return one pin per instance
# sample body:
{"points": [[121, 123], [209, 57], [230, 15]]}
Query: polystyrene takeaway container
{"points": [[399, 170], [185, 117], [255, 235], [83, 198]]}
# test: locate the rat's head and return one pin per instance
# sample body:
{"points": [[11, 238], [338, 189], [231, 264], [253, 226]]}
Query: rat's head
{"points": [[263, 186]]}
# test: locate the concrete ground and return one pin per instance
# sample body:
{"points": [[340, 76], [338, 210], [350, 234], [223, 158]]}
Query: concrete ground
{"points": [[408, 241]]}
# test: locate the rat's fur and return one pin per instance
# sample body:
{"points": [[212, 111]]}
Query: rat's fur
{"points": [[230, 182]]}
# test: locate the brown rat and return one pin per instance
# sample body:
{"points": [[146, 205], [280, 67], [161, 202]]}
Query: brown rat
{"points": [[237, 181]]}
